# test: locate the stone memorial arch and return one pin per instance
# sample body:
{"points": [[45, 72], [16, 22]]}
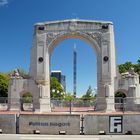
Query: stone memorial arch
{"points": [[47, 35]]}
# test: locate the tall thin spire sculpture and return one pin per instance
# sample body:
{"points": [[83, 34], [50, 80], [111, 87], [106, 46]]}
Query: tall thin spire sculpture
{"points": [[74, 69]]}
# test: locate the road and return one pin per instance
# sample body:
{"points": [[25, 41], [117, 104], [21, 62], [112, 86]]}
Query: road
{"points": [[68, 137]]}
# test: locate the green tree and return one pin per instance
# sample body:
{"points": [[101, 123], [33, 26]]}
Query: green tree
{"points": [[89, 94], [56, 89], [69, 97], [125, 67], [27, 97], [137, 68], [122, 69], [4, 79], [138, 61]]}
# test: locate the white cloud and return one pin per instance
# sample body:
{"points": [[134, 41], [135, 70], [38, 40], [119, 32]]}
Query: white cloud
{"points": [[3, 2]]}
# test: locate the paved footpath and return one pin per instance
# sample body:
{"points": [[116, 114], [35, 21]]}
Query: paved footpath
{"points": [[68, 137]]}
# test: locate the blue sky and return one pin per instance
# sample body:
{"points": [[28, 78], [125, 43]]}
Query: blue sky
{"points": [[17, 18]]}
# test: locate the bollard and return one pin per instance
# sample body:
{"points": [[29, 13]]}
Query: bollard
{"points": [[0, 131], [128, 132], [36, 131], [102, 132], [62, 132]]}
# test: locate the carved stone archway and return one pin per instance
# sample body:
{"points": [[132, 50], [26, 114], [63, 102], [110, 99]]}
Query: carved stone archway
{"points": [[99, 35], [47, 35]]}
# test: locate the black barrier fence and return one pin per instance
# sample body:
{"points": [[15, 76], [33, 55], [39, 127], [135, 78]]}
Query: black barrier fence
{"points": [[76, 105]]}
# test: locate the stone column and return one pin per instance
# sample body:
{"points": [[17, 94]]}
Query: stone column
{"points": [[14, 90], [112, 71], [130, 104], [45, 105], [39, 71], [109, 99], [100, 100], [44, 100], [106, 74]]}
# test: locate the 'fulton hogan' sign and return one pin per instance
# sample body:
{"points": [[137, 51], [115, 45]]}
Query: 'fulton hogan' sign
{"points": [[59, 124], [49, 124]]}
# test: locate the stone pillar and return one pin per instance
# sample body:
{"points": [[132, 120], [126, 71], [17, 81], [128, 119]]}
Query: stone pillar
{"points": [[45, 105], [41, 72], [100, 100], [44, 100], [111, 71], [130, 104], [109, 98], [14, 89], [106, 71]]}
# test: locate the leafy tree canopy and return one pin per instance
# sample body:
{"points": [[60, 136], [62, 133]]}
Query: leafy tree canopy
{"points": [[56, 89], [27, 97], [127, 65], [69, 97], [4, 79], [89, 94], [27, 94], [138, 61]]}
